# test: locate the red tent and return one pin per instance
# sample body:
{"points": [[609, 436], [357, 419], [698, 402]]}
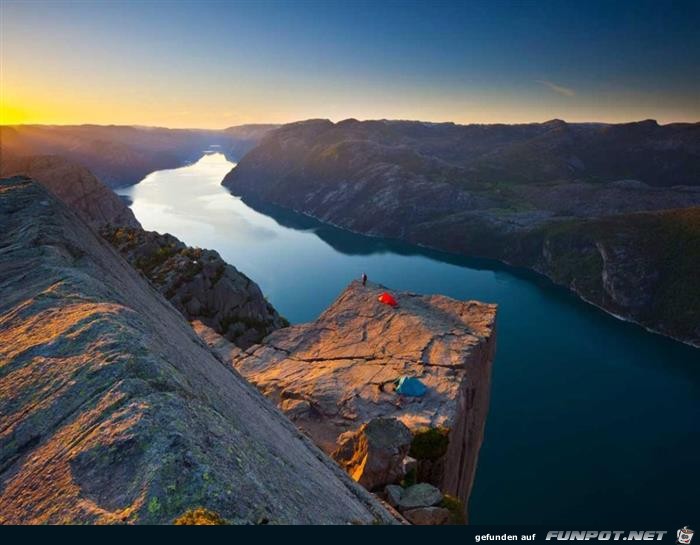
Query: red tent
{"points": [[387, 299]]}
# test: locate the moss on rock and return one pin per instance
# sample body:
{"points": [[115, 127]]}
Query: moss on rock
{"points": [[456, 509], [199, 516], [430, 443]]}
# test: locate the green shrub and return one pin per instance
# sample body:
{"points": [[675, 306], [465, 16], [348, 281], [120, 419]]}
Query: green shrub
{"points": [[456, 509], [199, 516], [154, 506], [430, 443]]}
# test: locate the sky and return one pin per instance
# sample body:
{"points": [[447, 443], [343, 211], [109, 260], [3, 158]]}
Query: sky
{"points": [[213, 64]]}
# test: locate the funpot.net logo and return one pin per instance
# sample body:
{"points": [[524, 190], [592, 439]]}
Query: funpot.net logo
{"points": [[684, 535], [606, 535]]}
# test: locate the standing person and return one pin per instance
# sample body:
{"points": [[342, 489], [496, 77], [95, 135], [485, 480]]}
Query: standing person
{"points": [[364, 279]]}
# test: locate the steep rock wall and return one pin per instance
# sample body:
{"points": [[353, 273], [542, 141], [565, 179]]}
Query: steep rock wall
{"points": [[114, 411]]}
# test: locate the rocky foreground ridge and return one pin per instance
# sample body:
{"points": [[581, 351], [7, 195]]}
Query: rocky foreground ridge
{"points": [[336, 376], [114, 410], [610, 211], [200, 284]]}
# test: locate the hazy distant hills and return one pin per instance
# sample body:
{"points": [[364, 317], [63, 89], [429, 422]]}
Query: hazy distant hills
{"points": [[123, 155], [561, 198]]}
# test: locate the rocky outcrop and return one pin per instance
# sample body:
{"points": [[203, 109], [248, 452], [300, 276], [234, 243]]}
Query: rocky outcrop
{"points": [[421, 504], [74, 185], [337, 373], [419, 495], [374, 454], [199, 284], [114, 411], [427, 516], [509, 192]]}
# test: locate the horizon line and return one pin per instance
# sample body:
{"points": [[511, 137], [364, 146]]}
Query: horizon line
{"points": [[396, 120]]}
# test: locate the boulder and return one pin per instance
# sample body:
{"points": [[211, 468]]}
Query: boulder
{"points": [[373, 455], [419, 495], [393, 493], [427, 516]]}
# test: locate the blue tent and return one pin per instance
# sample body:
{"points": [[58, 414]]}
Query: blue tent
{"points": [[410, 386]]}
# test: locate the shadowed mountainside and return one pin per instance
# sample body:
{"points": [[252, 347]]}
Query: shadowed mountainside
{"points": [[73, 184], [196, 281], [510, 192], [123, 155], [200, 284], [113, 409]]}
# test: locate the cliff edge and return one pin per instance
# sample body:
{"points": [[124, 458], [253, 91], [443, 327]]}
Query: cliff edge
{"points": [[113, 409], [332, 375]]}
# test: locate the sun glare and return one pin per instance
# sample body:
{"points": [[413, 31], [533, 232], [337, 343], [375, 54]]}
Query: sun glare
{"points": [[12, 115]]}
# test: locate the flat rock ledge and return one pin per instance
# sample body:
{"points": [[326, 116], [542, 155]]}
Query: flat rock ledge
{"points": [[332, 375]]}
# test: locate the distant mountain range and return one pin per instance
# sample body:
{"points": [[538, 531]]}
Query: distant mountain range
{"points": [[607, 210], [123, 155]]}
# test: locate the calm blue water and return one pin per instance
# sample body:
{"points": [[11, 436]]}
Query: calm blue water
{"points": [[592, 420]]}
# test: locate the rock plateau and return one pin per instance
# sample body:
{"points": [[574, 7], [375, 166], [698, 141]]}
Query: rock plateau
{"points": [[337, 373]]}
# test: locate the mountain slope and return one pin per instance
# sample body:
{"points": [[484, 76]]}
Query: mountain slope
{"points": [[113, 409], [503, 191], [123, 155], [74, 185], [201, 285]]}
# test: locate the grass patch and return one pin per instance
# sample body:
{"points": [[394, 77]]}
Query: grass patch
{"points": [[154, 506], [199, 516]]}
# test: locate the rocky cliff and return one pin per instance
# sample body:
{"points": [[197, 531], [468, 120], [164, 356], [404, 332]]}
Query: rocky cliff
{"points": [[112, 408], [332, 375], [74, 185], [201, 285], [509, 192]]}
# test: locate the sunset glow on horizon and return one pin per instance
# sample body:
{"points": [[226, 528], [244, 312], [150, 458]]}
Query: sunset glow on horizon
{"points": [[217, 64]]}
